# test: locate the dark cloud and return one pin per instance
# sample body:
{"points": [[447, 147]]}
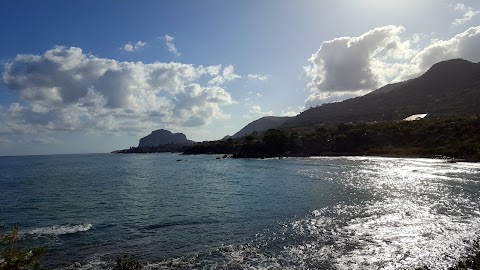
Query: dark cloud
{"points": [[346, 64]]}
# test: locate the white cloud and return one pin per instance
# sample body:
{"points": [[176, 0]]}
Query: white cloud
{"points": [[468, 13], [129, 47], [66, 89], [290, 112], [330, 97], [257, 77], [228, 74], [351, 64], [171, 46], [256, 111], [464, 45], [348, 67], [213, 70]]}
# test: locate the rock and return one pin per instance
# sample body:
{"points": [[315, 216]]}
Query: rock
{"points": [[161, 136]]}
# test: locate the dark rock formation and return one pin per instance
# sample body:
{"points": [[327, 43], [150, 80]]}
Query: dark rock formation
{"points": [[161, 137]]}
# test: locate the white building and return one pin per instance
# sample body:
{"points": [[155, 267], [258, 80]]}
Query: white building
{"points": [[416, 117]]}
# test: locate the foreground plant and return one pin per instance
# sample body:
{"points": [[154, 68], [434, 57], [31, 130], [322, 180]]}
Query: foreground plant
{"points": [[12, 257]]}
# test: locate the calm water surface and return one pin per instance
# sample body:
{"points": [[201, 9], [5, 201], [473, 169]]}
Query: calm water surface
{"points": [[315, 213]]}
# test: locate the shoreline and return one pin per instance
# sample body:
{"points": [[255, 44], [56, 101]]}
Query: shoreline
{"points": [[447, 159]]}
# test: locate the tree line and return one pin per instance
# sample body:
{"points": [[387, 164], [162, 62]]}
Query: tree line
{"points": [[453, 136]]}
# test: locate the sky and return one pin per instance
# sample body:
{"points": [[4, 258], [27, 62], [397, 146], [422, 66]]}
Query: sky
{"points": [[94, 76]]}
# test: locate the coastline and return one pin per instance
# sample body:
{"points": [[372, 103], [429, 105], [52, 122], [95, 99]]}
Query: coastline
{"points": [[340, 154], [451, 138]]}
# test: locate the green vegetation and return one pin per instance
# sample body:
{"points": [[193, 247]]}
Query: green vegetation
{"points": [[164, 148], [12, 257], [454, 136], [449, 87]]}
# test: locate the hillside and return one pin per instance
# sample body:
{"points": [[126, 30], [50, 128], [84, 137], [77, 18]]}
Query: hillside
{"points": [[449, 87], [453, 136], [260, 125]]}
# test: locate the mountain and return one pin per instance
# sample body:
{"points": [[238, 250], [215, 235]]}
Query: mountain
{"points": [[161, 137], [449, 87], [260, 125], [388, 88]]}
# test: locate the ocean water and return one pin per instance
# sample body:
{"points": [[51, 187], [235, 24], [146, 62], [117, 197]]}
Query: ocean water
{"points": [[205, 213]]}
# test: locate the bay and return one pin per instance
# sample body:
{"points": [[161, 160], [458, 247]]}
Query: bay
{"points": [[202, 212]]}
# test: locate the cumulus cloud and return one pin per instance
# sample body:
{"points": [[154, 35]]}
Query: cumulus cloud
{"points": [[316, 99], [66, 89], [464, 45], [348, 67], [468, 13], [228, 74], [171, 46], [129, 47], [357, 63], [257, 111]]}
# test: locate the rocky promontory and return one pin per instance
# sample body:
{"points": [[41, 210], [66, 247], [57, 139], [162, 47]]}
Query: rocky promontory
{"points": [[161, 137], [159, 141]]}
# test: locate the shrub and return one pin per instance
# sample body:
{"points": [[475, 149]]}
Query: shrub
{"points": [[12, 257]]}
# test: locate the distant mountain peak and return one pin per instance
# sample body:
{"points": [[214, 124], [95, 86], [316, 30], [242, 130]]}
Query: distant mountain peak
{"points": [[163, 136], [447, 88], [451, 66], [454, 61]]}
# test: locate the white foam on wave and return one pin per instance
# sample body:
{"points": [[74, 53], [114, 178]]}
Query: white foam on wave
{"points": [[245, 256], [57, 230], [95, 264]]}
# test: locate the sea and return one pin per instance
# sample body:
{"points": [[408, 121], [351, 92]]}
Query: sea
{"points": [[171, 211]]}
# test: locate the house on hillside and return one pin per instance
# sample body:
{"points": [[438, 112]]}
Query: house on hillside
{"points": [[416, 117]]}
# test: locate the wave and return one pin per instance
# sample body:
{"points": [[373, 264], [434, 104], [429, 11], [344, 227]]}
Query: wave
{"points": [[57, 230]]}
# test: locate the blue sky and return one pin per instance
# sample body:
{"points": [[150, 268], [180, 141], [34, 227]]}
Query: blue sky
{"points": [[94, 76]]}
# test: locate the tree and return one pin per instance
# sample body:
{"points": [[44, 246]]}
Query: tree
{"points": [[275, 141]]}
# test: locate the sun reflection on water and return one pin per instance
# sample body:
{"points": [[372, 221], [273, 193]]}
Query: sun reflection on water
{"points": [[421, 212]]}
